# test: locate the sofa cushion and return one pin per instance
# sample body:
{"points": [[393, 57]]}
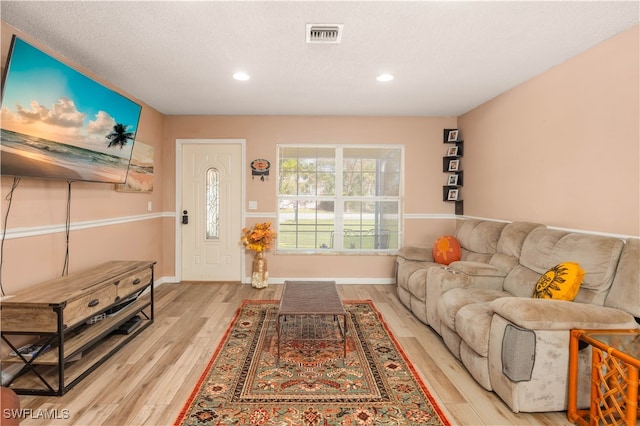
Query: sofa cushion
{"points": [[513, 236], [446, 249], [597, 255], [453, 300], [624, 293], [473, 324], [406, 270], [477, 366], [521, 281], [561, 282], [479, 239], [416, 284], [510, 243]]}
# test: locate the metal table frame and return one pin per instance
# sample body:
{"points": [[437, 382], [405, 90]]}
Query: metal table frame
{"points": [[311, 298]]}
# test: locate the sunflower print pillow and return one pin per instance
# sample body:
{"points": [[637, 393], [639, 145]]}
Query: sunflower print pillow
{"points": [[561, 282]]}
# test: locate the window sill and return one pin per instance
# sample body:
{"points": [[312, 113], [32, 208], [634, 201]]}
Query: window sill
{"points": [[335, 253]]}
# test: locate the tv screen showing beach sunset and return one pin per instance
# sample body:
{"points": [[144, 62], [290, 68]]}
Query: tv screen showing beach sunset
{"points": [[59, 124]]}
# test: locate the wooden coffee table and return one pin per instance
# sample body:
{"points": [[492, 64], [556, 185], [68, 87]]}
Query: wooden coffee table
{"points": [[310, 299]]}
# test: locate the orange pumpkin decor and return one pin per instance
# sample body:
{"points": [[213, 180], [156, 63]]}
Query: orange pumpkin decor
{"points": [[446, 250]]}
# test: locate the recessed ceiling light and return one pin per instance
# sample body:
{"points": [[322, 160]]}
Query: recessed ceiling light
{"points": [[241, 76], [384, 77]]}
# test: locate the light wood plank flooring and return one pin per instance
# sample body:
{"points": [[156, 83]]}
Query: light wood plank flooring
{"points": [[149, 380]]}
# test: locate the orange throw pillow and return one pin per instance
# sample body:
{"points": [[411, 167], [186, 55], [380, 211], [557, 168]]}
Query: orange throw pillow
{"points": [[446, 250]]}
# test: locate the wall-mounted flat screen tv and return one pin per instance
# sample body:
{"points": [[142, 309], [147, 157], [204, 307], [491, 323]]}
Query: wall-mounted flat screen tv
{"points": [[59, 124]]}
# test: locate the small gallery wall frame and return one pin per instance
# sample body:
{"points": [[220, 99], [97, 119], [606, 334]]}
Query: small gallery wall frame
{"points": [[452, 151], [452, 195], [452, 180], [454, 165], [451, 135]]}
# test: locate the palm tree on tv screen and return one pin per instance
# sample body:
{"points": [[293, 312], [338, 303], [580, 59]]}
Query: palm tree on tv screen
{"points": [[119, 136]]}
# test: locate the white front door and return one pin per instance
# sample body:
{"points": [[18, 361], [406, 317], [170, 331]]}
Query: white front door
{"points": [[212, 199]]}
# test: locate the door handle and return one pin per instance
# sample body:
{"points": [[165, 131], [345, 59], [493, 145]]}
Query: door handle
{"points": [[185, 217]]}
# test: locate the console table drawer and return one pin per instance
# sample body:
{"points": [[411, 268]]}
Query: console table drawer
{"points": [[43, 318], [79, 310], [28, 319], [134, 283]]}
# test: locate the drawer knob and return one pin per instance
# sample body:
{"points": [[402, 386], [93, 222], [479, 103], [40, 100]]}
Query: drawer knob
{"points": [[136, 281], [116, 282], [94, 302]]}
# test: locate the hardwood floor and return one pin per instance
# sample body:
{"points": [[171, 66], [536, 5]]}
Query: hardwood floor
{"points": [[149, 380]]}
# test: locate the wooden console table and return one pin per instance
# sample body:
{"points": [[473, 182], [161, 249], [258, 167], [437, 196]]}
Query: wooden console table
{"points": [[614, 377], [79, 320]]}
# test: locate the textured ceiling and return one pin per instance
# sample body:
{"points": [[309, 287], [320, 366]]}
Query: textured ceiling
{"points": [[447, 57]]}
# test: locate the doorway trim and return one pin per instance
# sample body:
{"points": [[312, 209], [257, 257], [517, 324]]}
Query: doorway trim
{"points": [[178, 200]]}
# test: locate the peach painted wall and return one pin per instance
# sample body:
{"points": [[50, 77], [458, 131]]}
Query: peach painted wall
{"points": [[428, 217], [562, 149], [39, 206]]}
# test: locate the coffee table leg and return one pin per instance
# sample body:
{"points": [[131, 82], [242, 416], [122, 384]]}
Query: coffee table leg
{"points": [[344, 338], [278, 333]]}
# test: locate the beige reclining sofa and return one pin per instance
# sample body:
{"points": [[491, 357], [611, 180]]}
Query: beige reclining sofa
{"points": [[482, 305]]}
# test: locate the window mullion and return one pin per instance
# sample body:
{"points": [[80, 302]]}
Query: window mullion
{"points": [[339, 203]]}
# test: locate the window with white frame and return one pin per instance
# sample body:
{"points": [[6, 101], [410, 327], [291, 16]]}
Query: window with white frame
{"points": [[339, 198]]}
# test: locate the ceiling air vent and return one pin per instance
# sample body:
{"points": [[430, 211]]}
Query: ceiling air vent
{"points": [[324, 33]]}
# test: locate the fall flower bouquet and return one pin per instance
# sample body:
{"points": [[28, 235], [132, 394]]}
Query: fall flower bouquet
{"points": [[258, 238]]}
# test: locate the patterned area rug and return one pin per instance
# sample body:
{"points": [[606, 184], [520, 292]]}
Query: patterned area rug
{"points": [[312, 384]]}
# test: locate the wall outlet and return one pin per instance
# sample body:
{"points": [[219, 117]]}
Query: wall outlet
{"points": [[253, 205], [149, 206]]}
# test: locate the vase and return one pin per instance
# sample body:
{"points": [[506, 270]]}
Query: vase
{"points": [[260, 274]]}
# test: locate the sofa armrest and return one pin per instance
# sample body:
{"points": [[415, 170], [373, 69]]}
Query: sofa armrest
{"points": [[461, 274], [464, 274], [477, 269], [419, 254], [545, 314]]}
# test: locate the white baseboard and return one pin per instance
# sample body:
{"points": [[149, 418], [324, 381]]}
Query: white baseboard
{"points": [[247, 280], [164, 280], [359, 281]]}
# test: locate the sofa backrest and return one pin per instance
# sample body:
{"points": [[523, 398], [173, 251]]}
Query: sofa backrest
{"points": [[625, 289], [509, 246], [544, 248], [478, 239]]}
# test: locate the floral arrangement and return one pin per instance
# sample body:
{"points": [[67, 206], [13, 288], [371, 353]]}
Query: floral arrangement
{"points": [[259, 238]]}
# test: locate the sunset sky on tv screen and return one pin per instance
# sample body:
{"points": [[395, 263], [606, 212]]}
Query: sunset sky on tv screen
{"points": [[48, 107]]}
